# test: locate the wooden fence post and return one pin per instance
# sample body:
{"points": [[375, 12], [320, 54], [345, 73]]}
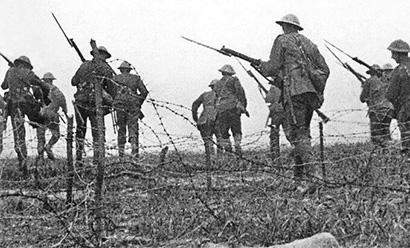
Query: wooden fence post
{"points": [[70, 165]]}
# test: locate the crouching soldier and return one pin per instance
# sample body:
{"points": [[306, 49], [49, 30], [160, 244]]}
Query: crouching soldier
{"points": [[206, 122], [130, 95], [56, 101]]}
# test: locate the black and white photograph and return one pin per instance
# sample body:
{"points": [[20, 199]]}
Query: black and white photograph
{"points": [[205, 124]]}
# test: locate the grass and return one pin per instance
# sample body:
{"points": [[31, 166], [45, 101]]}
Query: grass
{"points": [[364, 202]]}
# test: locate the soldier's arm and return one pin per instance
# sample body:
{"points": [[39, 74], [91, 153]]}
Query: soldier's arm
{"points": [[393, 91], [271, 67], [80, 74], [143, 92], [5, 84], [240, 93], [195, 106], [364, 96]]}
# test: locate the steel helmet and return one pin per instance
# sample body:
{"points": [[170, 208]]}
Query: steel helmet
{"points": [[25, 60], [227, 69], [290, 19], [48, 75], [104, 50], [375, 67], [213, 82], [387, 66], [125, 65], [399, 46]]}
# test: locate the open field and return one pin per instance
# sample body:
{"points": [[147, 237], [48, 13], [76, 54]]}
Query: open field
{"points": [[364, 202]]}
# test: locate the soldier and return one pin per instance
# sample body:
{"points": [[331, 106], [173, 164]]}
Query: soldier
{"points": [[231, 103], [298, 61], [398, 92], [90, 73], [206, 122], [387, 70], [277, 118], [380, 109], [50, 112], [20, 79], [127, 103]]}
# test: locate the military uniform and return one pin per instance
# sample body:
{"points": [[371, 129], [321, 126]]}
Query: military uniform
{"points": [[398, 94], [89, 74], [22, 102], [230, 104], [130, 95], [206, 121], [50, 112], [380, 109], [277, 119], [287, 60]]}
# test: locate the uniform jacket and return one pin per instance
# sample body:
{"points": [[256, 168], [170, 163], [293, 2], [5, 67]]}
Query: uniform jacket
{"points": [[87, 75], [208, 115], [398, 92], [374, 94], [230, 94], [57, 101], [286, 56], [131, 91]]}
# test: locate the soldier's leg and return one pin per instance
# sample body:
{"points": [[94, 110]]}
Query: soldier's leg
{"points": [[236, 128], [41, 140], [95, 134], [386, 128], [19, 134], [274, 142], [133, 132], [206, 133], [81, 116], [374, 128], [222, 126], [122, 129], [55, 136]]}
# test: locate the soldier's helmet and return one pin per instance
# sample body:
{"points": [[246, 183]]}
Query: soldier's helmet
{"points": [[125, 65], [213, 82], [48, 75], [290, 19], [103, 50], [227, 69], [399, 46], [25, 60], [387, 67], [375, 67]]}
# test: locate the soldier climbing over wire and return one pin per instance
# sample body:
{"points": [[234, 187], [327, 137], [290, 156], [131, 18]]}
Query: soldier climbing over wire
{"points": [[380, 109], [230, 104], [25, 98], [50, 112], [130, 95], [398, 92], [91, 72], [206, 121], [297, 60]]}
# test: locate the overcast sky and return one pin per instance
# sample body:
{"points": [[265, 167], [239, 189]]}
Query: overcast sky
{"points": [[147, 34]]}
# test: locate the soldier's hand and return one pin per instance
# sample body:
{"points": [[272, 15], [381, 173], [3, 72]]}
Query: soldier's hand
{"points": [[247, 113]]}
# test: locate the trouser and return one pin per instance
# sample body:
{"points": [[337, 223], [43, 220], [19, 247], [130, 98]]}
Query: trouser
{"points": [[225, 121], [404, 126], [299, 134], [19, 136], [128, 119], [54, 128], [380, 127], [278, 119], [81, 115], [207, 131]]}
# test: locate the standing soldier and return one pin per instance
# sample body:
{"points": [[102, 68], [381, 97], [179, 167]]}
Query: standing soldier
{"points": [[277, 118], [91, 72], [206, 122], [298, 61], [50, 112], [231, 103], [20, 79], [127, 103], [398, 92], [380, 109]]}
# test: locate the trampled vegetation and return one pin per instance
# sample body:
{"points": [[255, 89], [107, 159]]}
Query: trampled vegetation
{"points": [[364, 202]]}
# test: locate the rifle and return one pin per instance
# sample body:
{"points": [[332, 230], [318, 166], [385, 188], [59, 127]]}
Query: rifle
{"points": [[359, 76], [255, 63], [357, 60], [11, 64], [71, 41]]}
